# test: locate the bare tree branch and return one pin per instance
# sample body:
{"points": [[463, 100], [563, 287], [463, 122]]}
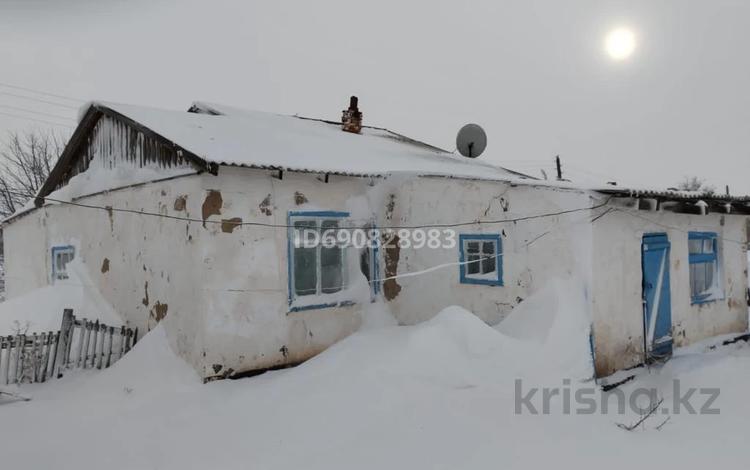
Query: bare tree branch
{"points": [[25, 162], [693, 183]]}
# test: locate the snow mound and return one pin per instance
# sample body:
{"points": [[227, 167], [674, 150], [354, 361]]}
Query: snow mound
{"points": [[147, 372], [557, 322], [456, 348], [151, 365], [41, 309], [377, 315]]}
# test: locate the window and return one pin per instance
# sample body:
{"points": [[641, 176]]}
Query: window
{"points": [[61, 256], [316, 261], [481, 259], [705, 285]]}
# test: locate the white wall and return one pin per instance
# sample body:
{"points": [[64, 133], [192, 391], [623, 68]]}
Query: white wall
{"points": [[534, 251], [223, 289], [250, 324], [226, 291], [150, 259], [617, 304]]}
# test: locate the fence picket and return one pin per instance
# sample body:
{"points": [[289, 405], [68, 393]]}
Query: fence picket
{"points": [[40, 356], [19, 353], [100, 350], [8, 343], [45, 362], [122, 342], [62, 346], [34, 358], [95, 332], [111, 331], [128, 337], [81, 336], [88, 340]]}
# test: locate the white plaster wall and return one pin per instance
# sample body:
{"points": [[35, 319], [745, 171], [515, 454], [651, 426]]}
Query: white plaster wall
{"points": [[534, 251], [27, 260], [151, 259], [225, 288], [245, 289], [617, 304], [224, 294], [226, 291]]}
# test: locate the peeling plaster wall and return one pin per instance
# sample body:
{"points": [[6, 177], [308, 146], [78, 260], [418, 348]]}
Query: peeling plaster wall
{"points": [[245, 288], [220, 285], [534, 251], [617, 304], [153, 264]]}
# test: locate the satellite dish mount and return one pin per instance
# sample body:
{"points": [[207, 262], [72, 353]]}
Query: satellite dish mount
{"points": [[471, 141]]}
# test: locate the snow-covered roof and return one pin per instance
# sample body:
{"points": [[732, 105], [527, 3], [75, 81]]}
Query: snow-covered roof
{"points": [[229, 136], [671, 194]]}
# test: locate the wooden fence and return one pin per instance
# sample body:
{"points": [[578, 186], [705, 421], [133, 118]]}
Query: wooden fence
{"points": [[78, 344]]}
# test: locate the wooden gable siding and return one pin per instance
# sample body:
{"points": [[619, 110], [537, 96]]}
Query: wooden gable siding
{"points": [[112, 143]]}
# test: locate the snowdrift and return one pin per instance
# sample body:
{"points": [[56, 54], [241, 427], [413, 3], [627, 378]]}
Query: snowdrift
{"points": [[41, 309], [556, 321], [437, 395]]}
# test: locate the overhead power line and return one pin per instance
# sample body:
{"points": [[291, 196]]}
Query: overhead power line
{"points": [[41, 113], [43, 121], [39, 100], [287, 226], [45, 93]]}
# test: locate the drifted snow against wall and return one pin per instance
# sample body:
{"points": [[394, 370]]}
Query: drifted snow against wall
{"points": [[223, 294], [221, 287], [220, 281]]}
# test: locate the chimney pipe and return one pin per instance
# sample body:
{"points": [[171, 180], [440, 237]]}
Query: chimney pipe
{"points": [[351, 119]]}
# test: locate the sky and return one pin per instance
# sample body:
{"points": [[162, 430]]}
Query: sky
{"points": [[534, 74]]}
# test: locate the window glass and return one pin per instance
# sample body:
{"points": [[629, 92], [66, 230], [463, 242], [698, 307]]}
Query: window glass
{"points": [[331, 269], [704, 267], [482, 259], [61, 256], [488, 253], [316, 258], [695, 246], [305, 259]]}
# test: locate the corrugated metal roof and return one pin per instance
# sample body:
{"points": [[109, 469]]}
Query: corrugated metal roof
{"points": [[229, 136], [672, 194]]}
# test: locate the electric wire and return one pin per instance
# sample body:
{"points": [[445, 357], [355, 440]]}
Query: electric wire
{"points": [[26, 110], [41, 121], [288, 226], [45, 93], [38, 100]]}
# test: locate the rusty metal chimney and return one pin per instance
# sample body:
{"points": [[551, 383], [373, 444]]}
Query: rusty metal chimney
{"points": [[351, 119]]}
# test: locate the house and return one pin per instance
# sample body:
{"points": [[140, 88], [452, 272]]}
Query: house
{"points": [[259, 239]]}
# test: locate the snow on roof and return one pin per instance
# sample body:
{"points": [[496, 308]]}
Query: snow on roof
{"points": [[230, 136], [675, 194]]}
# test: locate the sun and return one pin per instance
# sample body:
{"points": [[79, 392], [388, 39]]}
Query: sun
{"points": [[620, 43]]}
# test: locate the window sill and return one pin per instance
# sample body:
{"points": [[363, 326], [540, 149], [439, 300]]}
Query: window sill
{"points": [[706, 300], [302, 308], [482, 282]]}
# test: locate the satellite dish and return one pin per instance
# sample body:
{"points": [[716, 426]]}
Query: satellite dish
{"points": [[471, 141]]}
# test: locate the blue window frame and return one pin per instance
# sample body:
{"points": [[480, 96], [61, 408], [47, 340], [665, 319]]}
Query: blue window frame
{"points": [[705, 276], [61, 256], [315, 271], [481, 259]]}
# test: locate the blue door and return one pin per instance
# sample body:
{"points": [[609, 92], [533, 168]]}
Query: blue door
{"points": [[657, 306]]}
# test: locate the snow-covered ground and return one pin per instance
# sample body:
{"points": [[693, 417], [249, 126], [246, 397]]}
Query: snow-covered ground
{"points": [[439, 395], [41, 310]]}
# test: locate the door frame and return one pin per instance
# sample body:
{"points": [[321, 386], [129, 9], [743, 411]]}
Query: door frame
{"points": [[651, 353]]}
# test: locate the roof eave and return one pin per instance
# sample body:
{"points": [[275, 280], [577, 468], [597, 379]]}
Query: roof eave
{"points": [[87, 123]]}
